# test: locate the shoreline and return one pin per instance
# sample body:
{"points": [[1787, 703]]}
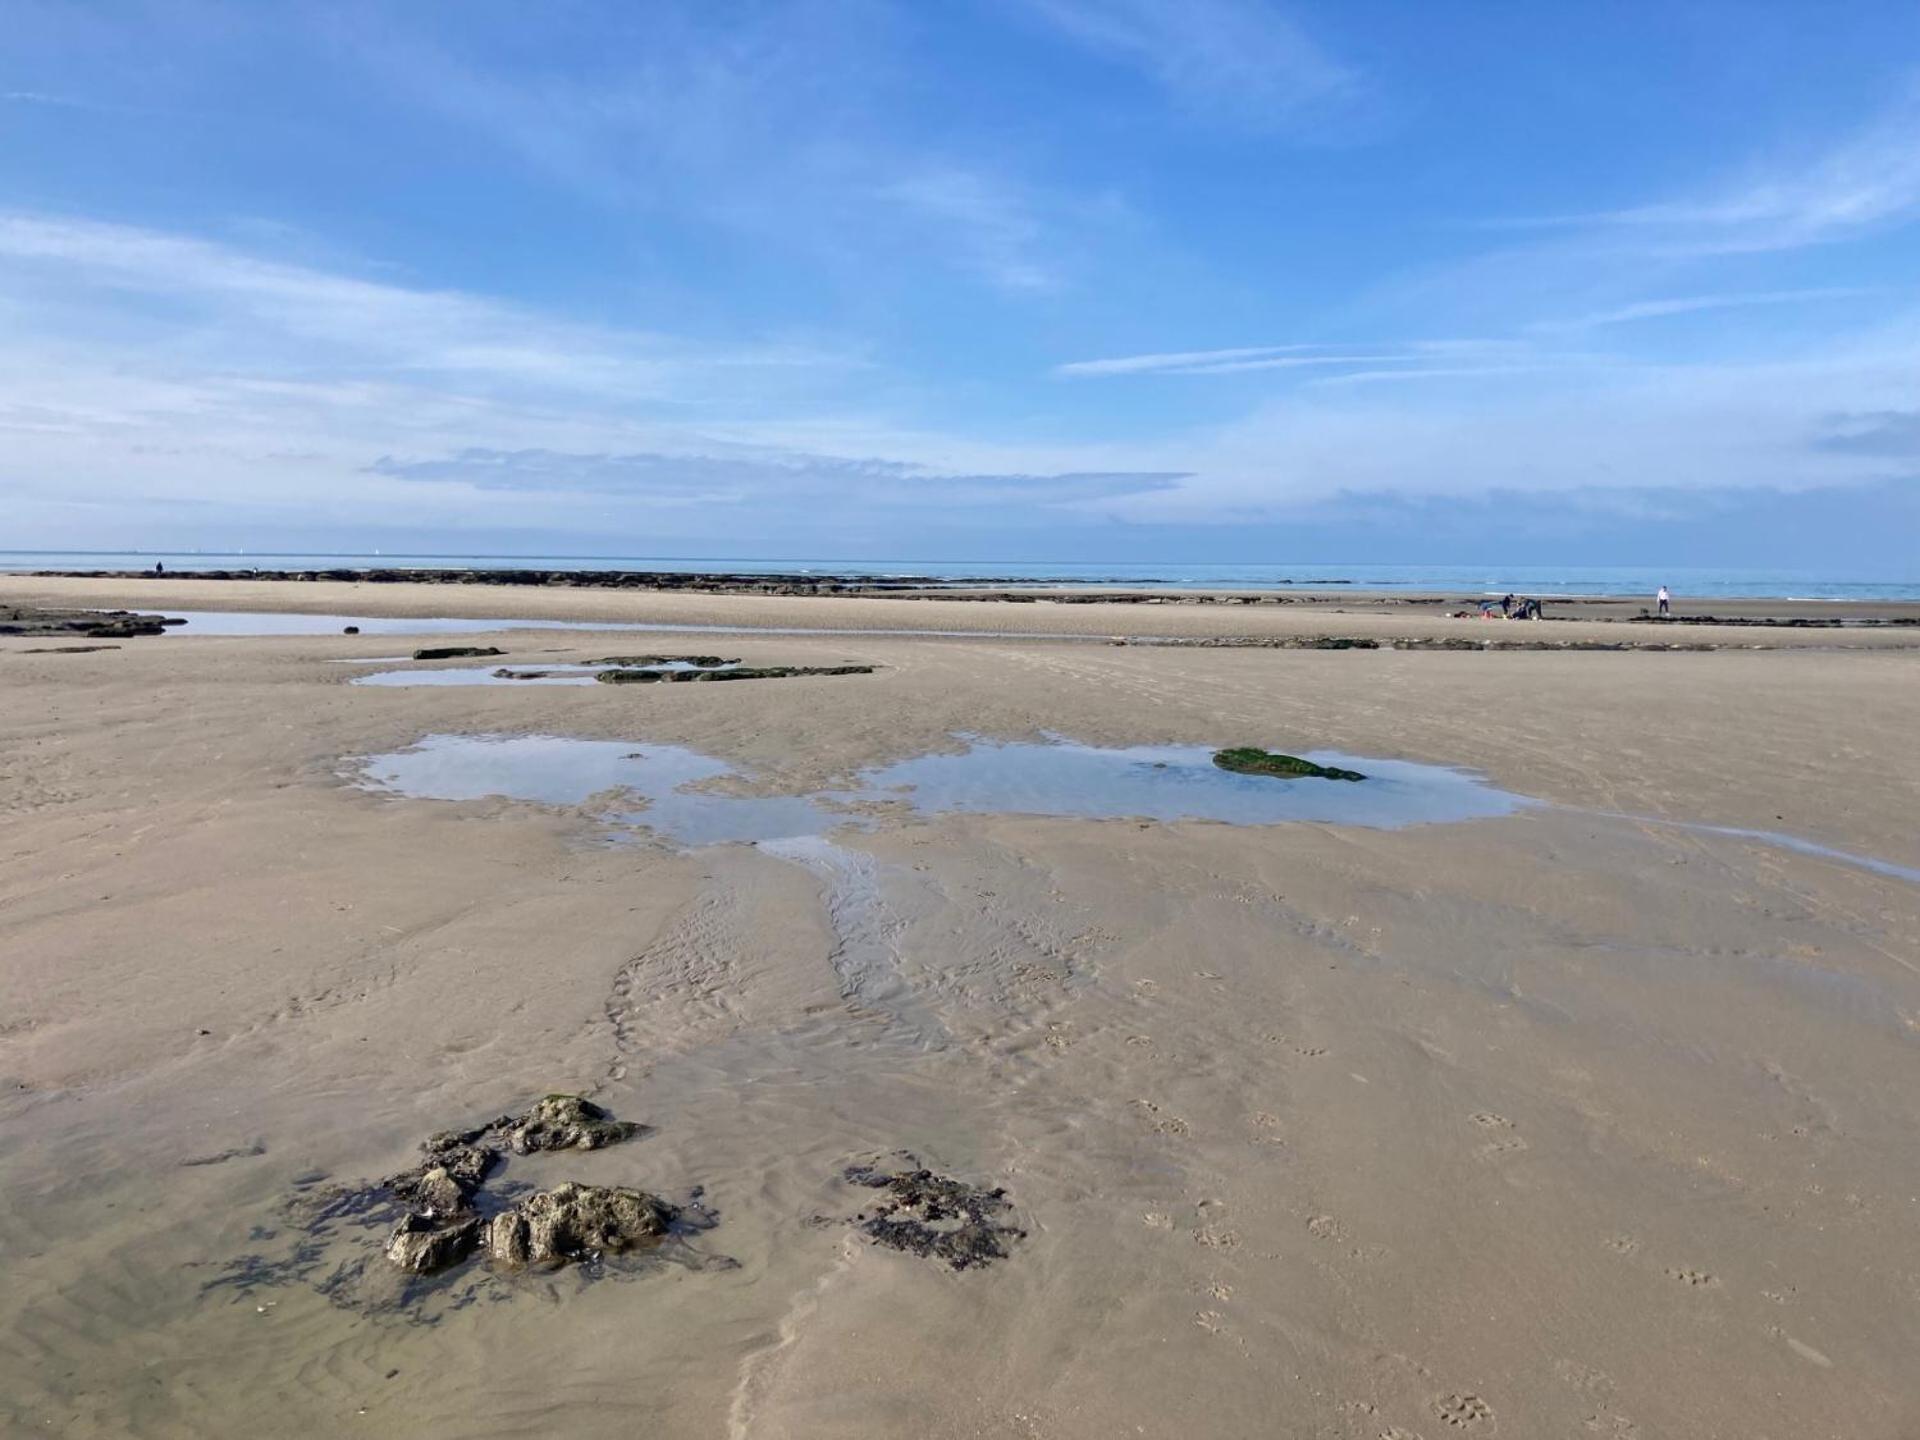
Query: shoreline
{"points": [[975, 590], [1360, 620]]}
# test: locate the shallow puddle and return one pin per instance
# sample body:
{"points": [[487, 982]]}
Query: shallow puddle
{"points": [[1052, 778], [554, 770], [1179, 782], [1063, 778], [288, 622], [512, 674]]}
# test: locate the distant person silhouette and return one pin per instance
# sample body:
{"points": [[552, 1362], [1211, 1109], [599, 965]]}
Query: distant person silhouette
{"points": [[158, 568], [1666, 603]]}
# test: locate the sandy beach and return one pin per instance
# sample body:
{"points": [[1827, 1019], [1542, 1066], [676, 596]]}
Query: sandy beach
{"points": [[1583, 1119]]}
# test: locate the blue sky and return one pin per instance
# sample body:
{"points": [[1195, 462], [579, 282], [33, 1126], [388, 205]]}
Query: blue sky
{"points": [[1021, 279]]}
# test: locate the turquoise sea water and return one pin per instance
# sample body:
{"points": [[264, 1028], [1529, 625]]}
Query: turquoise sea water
{"points": [[1541, 580]]}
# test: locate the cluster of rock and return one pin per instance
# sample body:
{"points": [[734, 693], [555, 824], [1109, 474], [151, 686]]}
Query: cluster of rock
{"points": [[444, 1224], [446, 1221], [741, 672]]}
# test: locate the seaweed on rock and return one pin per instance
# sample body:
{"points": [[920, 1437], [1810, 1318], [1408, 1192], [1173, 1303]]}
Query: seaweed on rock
{"points": [[1250, 760], [933, 1215]]}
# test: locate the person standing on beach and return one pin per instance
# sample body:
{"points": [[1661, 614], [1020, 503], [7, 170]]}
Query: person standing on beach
{"points": [[1666, 603]]}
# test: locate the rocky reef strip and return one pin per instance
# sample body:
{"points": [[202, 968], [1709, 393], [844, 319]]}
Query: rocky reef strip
{"points": [[40, 621], [762, 672]]}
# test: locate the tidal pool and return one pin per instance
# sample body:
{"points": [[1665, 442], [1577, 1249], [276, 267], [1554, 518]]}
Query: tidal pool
{"points": [[289, 622], [556, 770], [1058, 777], [1178, 782], [515, 674]]}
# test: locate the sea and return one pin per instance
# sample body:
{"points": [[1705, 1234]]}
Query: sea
{"points": [[1543, 581]]}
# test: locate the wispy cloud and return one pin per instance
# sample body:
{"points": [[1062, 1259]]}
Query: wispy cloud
{"points": [[780, 127], [257, 305], [1175, 361], [1236, 60], [1000, 236], [1692, 304], [1251, 358], [1870, 180]]}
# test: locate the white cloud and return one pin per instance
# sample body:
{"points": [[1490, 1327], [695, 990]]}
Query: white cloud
{"points": [[1239, 60]]}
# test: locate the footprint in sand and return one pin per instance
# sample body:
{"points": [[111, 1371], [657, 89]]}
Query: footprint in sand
{"points": [[1464, 1412], [1163, 1124], [1325, 1227], [1699, 1279], [1621, 1244], [1487, 1120], [1507, 1145]]}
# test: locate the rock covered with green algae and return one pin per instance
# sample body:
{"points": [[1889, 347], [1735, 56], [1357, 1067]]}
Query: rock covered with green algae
{"points": [[577, 1222], [1249, 760]]}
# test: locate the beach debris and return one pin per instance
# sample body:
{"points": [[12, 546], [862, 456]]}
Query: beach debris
{"points": [[924, 1213], [456, 652], [1251, 760], [350, 630], [577, 1222], [762, 672]]}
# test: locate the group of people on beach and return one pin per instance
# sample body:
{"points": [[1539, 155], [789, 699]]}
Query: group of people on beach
{"points": [[1513, 607]]}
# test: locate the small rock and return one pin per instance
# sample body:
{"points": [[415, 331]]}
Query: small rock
{"points": [[567, 1122], [420, 1246], [573, 1222]]}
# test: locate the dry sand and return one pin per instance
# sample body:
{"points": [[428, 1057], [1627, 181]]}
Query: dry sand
{"points": [[1548, 1126]]}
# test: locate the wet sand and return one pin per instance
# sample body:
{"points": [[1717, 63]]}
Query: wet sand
{"points": [[1548, 1124]]}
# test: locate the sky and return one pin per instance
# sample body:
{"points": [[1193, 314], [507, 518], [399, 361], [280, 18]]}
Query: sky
{"points": [[1468, 281]]}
